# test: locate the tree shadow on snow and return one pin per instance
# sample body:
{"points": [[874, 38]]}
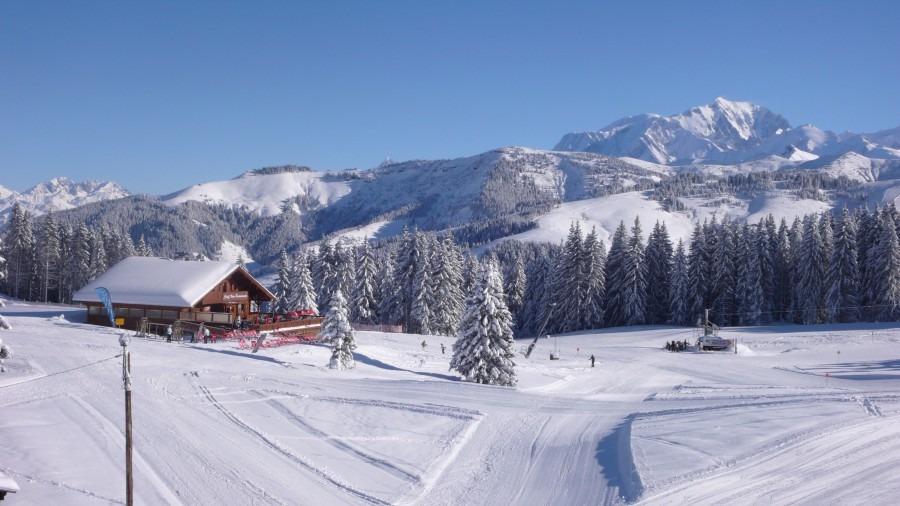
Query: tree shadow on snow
{"points": [[875, 370], [616, 461], [359, 357], [245, 354]]}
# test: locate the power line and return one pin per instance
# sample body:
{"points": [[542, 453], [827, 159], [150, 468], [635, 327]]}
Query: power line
{"points": [[60, 372]]}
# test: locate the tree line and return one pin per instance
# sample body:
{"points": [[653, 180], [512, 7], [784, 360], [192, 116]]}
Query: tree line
{"points": [[820, 268]]}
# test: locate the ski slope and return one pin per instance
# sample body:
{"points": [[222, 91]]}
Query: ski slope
{"points": [[215, 424]]}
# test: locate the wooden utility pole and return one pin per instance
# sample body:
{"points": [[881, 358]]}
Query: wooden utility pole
{"points": [[126, 378]]}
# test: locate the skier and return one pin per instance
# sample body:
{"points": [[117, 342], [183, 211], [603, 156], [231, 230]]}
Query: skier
{"points": [[206, 335], [169, 334], [442, 348], [592, 360], [423, 344]]}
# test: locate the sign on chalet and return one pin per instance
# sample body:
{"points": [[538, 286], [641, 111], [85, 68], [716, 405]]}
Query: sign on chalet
{"points": [[163, 291]]}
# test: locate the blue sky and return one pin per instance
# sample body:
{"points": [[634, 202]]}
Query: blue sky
{"points": [[161, 95]]}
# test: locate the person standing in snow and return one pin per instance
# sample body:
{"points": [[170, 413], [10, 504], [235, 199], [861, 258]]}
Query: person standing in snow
{"points": [[424, 344], [169, 334], [442, 348], [206, 335], [592, 361]]}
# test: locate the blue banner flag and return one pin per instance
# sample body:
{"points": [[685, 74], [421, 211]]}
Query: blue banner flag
{"points": [[107, 302]]}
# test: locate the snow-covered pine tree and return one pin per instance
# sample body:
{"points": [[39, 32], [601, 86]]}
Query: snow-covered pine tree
{"points": [[344, 262], [514, 285], [323, 274], [81, 256], [483, 351], [420, 315], [305, 292], [536, 299], [679, 313], [336, 330], [886, 271], [615, 279], [810, 280], [19, 251], [748, 293], [842, 278], [697, 260], [48, 257], [722, 281], [659, 262], [282, 289], [765, 250], [449, 299], [364, 308], [569, 289], [782, 275], [5, 351], [634, 268], [98, 256], [389, 305], [796, 239], [594, 269]]}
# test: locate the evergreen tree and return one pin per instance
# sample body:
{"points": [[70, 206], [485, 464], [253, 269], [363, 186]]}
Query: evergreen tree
{"points": [[483, 351], [634, 269], [18, 251], [810, 279], [697, 268], [615, 279], [420, 316], [514, 285], [842, 278], [536, 301], [48, 257], [305, 292], [749, 291], [886, 271], [722, 281], [282, 289], [364, 308], [659, 264], [679, 312], [447, 280], [336, 331], [782, 275], [594, 271], [569, 287]]}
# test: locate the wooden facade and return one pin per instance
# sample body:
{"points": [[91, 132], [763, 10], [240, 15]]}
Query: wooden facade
{"points": [[238, 294]]}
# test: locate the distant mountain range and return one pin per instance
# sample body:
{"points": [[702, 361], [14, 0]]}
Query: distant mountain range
{"points": [[59, 194], [635, 166], [725, 132]]}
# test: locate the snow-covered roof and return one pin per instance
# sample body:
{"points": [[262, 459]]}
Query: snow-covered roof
{"points": [[157, 282]]}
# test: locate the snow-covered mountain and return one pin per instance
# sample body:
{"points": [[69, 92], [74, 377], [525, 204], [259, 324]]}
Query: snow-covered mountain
{"points": [[725, 132], [714, 160], [59, 194]]}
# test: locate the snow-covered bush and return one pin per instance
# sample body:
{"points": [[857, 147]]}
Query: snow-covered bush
{"points": [[5, 352], [4, 323]]}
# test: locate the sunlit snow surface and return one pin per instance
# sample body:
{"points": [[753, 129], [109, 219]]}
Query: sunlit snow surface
{"points": [[215, 424]]}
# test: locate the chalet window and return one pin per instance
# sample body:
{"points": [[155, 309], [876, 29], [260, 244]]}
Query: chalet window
{"points": [[154, 313], [94, 310], [135, 312], [121, 311], [170, 315]]}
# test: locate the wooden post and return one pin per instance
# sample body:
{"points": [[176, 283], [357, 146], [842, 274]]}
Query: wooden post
{"points": [[129, 476], [126, 379]]}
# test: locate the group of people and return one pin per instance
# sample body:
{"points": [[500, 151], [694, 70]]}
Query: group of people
{"points": [[677, 345]]}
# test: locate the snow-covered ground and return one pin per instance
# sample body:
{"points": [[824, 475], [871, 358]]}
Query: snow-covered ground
{"points": [[800, 415]]}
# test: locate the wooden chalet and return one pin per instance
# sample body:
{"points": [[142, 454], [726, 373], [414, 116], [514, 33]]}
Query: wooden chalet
{"points": [[159, 291]]}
